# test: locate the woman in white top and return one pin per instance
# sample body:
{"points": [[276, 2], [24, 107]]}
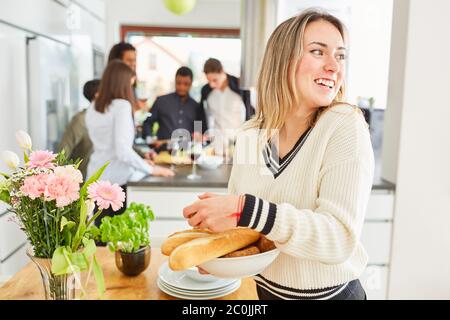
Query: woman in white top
{"points": [[303, 167], [110, 126]]}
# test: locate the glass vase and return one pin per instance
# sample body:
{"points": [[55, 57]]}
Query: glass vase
{"points": [[55, 287]]}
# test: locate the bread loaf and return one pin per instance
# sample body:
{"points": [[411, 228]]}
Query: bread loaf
{"points": [[178, 238], [197, 251]]}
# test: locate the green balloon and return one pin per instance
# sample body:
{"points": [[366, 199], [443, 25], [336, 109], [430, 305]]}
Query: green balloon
{"points": [[180, 6]]}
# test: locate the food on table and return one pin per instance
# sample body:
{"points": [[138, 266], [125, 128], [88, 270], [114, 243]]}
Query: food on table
{"points": [[165, 157], [265, 244], [247, 251], [178, 238], [207, 247]]}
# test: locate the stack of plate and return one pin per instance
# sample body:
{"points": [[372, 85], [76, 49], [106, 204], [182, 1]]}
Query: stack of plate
{"points": [[179, 285]]}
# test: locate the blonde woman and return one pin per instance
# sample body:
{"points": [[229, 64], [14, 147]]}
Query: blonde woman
{"points": [[307, 193]]}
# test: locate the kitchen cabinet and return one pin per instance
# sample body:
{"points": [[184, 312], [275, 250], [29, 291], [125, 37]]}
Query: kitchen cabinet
{"points": [[13, 244]]}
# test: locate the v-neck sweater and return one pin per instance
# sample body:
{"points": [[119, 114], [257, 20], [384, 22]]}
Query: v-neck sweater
{"points": [[314, 210]]}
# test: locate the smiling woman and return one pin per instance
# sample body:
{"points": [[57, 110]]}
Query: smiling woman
{"points": [[308, 189]]}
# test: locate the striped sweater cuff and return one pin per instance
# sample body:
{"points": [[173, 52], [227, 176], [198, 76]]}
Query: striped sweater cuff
{"points": [[258, 214]]}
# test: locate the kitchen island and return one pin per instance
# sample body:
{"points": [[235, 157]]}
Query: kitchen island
{"points": [[27, 284]]}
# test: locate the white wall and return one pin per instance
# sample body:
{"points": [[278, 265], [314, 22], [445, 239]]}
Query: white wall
{"points": [[206, 14], [49, 18], [369, 26], [46, 18], [420, 267]]}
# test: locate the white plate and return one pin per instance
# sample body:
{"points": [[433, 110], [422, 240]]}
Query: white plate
{"points": [[196, 297], [197, 292], [180, 280]]}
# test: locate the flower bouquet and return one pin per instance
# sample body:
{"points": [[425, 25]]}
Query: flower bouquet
{"points": [[55, 209]]}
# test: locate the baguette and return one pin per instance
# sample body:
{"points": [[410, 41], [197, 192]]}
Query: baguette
{"points": [[178, 238], [203, 249]]}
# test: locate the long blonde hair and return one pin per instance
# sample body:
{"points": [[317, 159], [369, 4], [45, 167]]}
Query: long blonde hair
{"points": [[276, 91]]}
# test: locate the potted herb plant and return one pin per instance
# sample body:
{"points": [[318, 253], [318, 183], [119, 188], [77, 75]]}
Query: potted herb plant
{"points": [[128, 236]]}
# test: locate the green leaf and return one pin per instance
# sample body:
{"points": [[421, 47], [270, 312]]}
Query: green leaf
{"points": [[89, 247], [4, 196], [79, 260], [65, 223], [92, 179], [59, 261], [26, 159], [4, 175], [81, 226], [99, 278], [77, 163]]}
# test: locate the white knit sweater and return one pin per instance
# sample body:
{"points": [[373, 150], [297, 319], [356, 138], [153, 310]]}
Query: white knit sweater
{"points": [[314, 210]]}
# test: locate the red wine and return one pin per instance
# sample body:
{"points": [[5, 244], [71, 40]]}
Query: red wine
{"points": [[195, 156]]}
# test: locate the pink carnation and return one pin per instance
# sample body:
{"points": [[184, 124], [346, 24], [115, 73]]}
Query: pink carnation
{"points": [[62, 189], [41, 159], [105, 194], [34, 186]]}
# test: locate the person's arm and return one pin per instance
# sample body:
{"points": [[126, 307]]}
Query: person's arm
{"points": [[147, 126], [123, 139], [72, 135], [329, 233]]}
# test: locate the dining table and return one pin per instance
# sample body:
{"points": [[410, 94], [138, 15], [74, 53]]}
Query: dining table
{"points": [[27, 284]]}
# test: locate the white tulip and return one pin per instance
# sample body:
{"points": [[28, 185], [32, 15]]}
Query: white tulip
{"points": [[11, 159], [24, 140], [90, 206]]}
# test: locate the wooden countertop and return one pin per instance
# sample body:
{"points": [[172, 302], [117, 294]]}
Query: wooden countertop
{"points": [[27, 284]]}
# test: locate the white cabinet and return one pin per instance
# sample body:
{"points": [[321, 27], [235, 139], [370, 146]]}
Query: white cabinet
{"points": [[11, 237], [374, 281], [380, 206], [169, 202], [13, 245], [168, 207], [376, 239], [14, 263]]}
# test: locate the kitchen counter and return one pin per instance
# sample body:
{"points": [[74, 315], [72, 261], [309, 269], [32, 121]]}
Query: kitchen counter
{"points": [[27, 284], [219, 179]]}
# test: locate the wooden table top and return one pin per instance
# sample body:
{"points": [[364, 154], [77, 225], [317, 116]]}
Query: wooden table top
{"points": [[27, 283]]}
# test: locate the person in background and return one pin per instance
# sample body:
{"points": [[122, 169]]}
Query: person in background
{"points": [[227, 104], [176, 110], [125, 52], [306, 179], [75, 140], [110, 125]]}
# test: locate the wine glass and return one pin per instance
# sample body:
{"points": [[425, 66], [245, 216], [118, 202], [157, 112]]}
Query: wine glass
{"points": [[195, 151], [173, 147]]}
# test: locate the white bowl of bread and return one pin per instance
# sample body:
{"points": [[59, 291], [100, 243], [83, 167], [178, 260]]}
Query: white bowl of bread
{"points": [[236, 253]]}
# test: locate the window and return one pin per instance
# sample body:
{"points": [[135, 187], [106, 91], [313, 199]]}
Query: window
{"points": [[161, 51]]}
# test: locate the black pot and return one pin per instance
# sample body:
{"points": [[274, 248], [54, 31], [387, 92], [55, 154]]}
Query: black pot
{"points": [[132, 264]]}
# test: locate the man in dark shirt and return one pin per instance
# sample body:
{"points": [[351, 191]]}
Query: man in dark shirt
{"points": [[176, 110]]}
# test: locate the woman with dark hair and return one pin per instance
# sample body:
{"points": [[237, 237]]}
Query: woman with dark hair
{"points": [[110, 126]]}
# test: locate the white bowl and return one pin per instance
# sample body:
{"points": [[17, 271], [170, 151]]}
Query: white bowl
{"points": [[197, 276], [209, 162], [240, 267]]}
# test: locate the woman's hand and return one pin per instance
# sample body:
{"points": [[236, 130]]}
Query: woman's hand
{"points": [[212, 211], [162, 172]]}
